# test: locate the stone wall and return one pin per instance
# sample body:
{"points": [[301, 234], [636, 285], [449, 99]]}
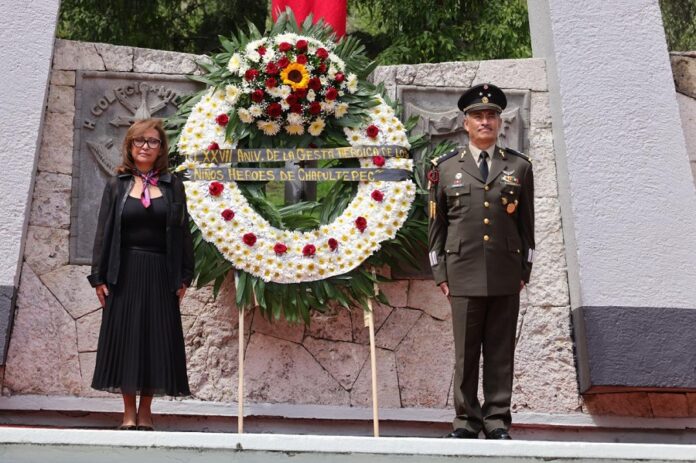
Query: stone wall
{"points": [[53, 344], [684, 71]]}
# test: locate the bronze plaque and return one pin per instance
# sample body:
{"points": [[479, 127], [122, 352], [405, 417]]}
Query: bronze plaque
{"points": [[106, 104]]}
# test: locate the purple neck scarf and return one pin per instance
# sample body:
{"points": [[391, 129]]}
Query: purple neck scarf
{"points": [[148, 179]]}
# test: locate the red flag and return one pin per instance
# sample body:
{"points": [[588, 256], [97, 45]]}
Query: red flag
{"points": [[332, 12]]}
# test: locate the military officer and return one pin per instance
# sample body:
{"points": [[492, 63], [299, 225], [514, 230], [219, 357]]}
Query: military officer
{"points": [[481, 245]]}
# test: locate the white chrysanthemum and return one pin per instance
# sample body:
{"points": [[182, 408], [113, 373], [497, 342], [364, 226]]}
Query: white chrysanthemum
{"points": [[338, 62], [352, 83], [253, 56], [235, 63], [294, 118], [269, 56], [328, 106], [232, 94], [268, 127], [341, 110], [254, 45], [316, 127], [255, 110], [311, 95], [294, 129], [332, 72], [245, 116]]}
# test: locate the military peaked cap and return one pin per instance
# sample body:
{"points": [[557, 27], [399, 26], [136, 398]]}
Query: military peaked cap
{"points": [[482, 96]]}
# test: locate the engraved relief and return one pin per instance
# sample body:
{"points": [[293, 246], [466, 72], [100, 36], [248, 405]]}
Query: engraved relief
{"points": [[107, 103]]}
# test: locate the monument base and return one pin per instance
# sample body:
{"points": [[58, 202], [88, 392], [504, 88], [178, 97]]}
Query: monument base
{"points": [[209, 417]]}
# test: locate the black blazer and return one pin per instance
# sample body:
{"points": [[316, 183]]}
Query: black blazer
{"points": [[106, 255]]}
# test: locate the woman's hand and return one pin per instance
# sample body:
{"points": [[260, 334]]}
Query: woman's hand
{"points": [[102, 293], [181, 292]]}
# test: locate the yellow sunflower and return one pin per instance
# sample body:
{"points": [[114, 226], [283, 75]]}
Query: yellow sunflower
{"points": [[295, 75]]}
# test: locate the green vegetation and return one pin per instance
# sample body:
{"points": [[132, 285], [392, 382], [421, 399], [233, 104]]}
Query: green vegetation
{"points": [[187, 26], [431, 31], [393, 31], [679, 17]]}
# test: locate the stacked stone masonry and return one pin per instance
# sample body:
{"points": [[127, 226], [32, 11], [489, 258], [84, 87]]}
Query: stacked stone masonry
{"points": [[52, 350], [684, 71]]}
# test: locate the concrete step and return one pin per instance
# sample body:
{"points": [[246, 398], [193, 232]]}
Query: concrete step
{"points": [[20, 445], [195, 416]]}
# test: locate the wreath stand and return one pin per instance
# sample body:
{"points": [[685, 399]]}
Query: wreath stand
{"points": [[369, 323]]}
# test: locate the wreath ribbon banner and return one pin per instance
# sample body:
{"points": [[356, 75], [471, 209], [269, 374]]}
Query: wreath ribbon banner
{"points": [[297, 154], [259, 174]]}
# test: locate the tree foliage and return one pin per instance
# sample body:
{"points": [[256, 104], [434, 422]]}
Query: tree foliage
{"points": [[393, 31], [187, 26], [679, 17], [427, 31]]}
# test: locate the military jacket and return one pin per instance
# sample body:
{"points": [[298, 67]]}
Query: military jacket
{"points": [[481, 234]]}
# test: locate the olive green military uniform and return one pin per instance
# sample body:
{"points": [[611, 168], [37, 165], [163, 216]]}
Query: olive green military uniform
{"points": [[481, 242]]}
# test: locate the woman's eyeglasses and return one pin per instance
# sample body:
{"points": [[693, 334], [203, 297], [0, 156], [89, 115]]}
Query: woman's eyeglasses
{"points": [[151, 142]]}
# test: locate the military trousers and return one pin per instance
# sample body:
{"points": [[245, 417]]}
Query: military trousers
{"points": [[484, 325]]}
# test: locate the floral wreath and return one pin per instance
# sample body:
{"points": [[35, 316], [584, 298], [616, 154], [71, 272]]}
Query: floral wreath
{"points": [[294, 89]]}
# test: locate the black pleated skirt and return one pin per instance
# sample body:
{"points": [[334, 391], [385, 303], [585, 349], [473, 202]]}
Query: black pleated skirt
{"points": [[141, 342]]}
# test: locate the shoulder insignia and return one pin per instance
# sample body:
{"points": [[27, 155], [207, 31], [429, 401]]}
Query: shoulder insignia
{"points": [[435, 162], [518, 154]]}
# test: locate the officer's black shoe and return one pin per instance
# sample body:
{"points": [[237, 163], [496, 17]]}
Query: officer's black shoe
{"points": [[500, 434], [461, 433]]}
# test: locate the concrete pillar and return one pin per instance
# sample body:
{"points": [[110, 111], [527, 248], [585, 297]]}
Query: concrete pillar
{"points": [[26, 42], [627, 196]]}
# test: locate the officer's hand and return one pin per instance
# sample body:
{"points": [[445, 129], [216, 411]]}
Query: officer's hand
{"points": [[521, 285], [181, 292], [102, 293], [444, 287]]}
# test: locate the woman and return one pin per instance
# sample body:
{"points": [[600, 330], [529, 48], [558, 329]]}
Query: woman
{"points": [[142, 264]]}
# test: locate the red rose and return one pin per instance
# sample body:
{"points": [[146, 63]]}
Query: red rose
{"points": [[377, 195], [301, 59], [274, 110], [213, 146], [296, 108], [222, 119], [378, 161], [283, 62], [314, 84], [361, 223], [331, 94], [261, 50], [257, 95], [300, 93], [249, 239], [434, 176], [280, 249], [251, 74], [322, 68], [215, 188], [372, 131], [271, 68], [301, 45], [322, 53], [314, 108], [271, 82], [228, 214], [333, 244], [309, 250], [291, 99], [284, 46], [339, 77]]}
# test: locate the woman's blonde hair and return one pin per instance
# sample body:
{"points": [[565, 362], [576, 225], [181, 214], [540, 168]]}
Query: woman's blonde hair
{"points": [[137, 130]]}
